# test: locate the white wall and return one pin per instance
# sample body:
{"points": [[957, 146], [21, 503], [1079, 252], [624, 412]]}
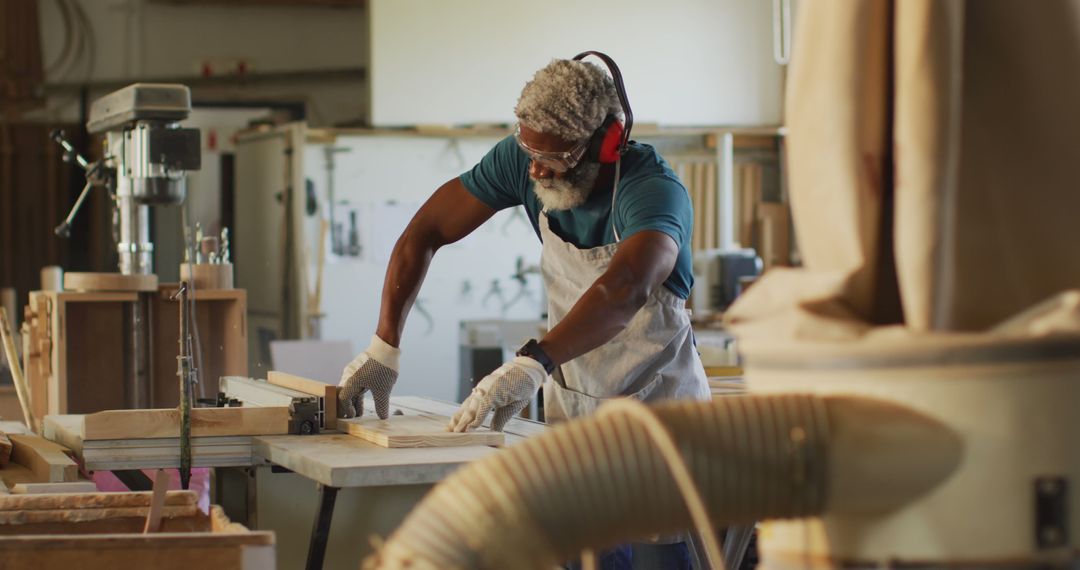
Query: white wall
{"points": [[685, 62], [142, 39], [406, 170]]}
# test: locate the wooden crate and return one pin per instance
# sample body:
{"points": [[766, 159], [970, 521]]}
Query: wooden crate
{"points": [[77, 359]]}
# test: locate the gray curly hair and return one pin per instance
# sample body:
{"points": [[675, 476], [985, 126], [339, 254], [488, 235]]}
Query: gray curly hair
{"points": [[568, 99]]}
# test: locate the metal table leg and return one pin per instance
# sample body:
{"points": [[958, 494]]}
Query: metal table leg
{"points": [[320, 533]]}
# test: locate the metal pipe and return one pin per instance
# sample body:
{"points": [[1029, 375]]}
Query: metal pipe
{"points": [[137, 367]]}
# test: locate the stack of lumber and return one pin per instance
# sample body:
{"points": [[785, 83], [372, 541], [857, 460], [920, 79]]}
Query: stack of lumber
{"points": [[104, 512], [146, 439], [104, 531]]}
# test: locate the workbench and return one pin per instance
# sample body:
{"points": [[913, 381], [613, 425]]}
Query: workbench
{"points": [[336, 461]]}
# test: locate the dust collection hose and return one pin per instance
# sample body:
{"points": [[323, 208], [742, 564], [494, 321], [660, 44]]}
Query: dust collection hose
{"points": [[606, 479]]}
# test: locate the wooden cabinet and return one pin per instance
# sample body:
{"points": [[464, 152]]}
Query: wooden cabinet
{"points": [[80, 359]]}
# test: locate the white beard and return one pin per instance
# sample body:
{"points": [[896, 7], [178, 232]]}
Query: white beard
{"points": [[570, 191]]}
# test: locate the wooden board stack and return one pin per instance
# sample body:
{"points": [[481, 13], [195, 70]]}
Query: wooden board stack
{"points": [[105, 530], [146, 439]]}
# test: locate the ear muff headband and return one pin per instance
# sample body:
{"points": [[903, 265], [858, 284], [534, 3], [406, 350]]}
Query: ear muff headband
{"points": [[611, 139]]}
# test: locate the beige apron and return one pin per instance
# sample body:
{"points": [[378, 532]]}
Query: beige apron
{"points": [[652, 359]]}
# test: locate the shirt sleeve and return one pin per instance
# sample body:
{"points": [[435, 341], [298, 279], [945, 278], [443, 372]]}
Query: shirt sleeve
{"points": [[497, 180], [656, 203]]}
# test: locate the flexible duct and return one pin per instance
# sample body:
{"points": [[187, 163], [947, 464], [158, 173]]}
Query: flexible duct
{"points": [[603, 480]]}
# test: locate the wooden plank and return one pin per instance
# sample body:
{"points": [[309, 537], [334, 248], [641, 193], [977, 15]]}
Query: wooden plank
{"points": [[342, 460], [109, 525], [775, 241], [161, 551], [44, 516], [417, 431], [205, 422], [92, 282], [157, 502], [712, 211], [49, 461], [94, 501], [65, 430], [299, 383], [328, 392], [516, 429], [54, 488]]}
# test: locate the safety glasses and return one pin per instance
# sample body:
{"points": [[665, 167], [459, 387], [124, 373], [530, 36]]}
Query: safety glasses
{"points": [[557, 161]]}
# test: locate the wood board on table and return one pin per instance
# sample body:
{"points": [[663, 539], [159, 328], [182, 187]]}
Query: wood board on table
{"points": [[516, 429], [205, 422], [421, 430]]}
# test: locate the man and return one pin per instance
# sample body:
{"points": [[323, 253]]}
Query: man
{"points": [[616, 261], [615, 224]]}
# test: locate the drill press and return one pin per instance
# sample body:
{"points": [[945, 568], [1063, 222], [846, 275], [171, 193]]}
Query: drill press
{"points": [[146, 158]]}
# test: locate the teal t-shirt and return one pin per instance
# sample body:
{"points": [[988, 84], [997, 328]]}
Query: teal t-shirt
{"points": [[650, 197]]}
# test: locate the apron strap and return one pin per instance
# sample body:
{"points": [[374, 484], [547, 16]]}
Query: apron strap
{"points": [[615, 191]]}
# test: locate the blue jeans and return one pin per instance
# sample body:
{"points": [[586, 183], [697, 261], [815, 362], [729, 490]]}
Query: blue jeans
{"points": [[664, 556]]}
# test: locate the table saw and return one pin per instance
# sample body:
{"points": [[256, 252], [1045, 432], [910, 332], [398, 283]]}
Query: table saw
{"points": [[298, 485]]}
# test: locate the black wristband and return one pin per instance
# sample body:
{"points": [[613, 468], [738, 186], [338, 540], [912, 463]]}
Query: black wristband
{"points": [[532, 350]]}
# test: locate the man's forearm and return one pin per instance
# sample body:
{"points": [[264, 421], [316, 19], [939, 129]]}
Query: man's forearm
{"points": [[405, 274], [642, 263], [449, 215], [598, 316]]}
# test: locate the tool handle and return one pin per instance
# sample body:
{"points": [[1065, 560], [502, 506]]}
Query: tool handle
{"points": [[69, 151], [64, 229]]}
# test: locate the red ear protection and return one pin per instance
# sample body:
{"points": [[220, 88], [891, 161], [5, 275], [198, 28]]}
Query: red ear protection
{"points": [[610, 140], [606, 143]]}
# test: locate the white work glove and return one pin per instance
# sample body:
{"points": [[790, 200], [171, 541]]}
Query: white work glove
{"points": [[376, 369], [506, 391]]}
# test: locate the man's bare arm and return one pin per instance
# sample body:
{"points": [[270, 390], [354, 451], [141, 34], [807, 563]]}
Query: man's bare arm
{"points": [[449, 215], [641, 264]]}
